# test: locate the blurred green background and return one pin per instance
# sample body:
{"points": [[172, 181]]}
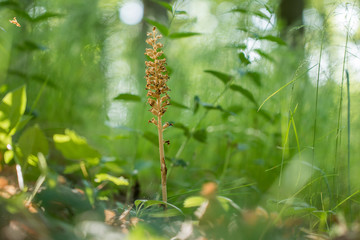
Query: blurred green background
{"points": [[264, 95]]}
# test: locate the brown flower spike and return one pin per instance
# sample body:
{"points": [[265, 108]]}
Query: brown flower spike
{"points": [[156, 79]]}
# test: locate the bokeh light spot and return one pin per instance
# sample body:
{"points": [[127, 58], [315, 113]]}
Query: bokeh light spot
{"points": [[131, 13]]}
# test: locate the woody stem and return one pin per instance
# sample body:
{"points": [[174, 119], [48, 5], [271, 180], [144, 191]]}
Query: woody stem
{"points": [[162, 159]]}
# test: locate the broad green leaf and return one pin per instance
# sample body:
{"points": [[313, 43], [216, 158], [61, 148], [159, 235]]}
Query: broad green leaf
{"points": [[244, 59], [74, 147], [183, 34], [33, 141], [164, 4], [200, 135], [120, 181], [273, 39], [194, 201], [246, 93], [225, 78], [8, 156], [12, 107], [264, 55], [127, 97], [177, 104], [162, 28]]}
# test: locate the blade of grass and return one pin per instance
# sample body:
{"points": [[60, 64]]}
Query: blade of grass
{"points": [[287, 84]]}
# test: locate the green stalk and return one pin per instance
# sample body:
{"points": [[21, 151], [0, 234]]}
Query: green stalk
{"points": [[348, 128], [338, 129]]}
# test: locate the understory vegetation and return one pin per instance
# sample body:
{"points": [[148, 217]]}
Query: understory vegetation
{"points": [[255, 106]]}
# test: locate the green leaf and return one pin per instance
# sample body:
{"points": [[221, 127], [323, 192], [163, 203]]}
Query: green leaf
{"points": [[120, 181], [46, 16], [225, 78], [148, 203], [246, 93], [12, 107], [8, 156], [28, 45], [196, 104], [244, 59], [273, 39], [183, 34], [32, 142], [246, 11], [180, 12], [200, 135], [177, 162], [164, 4], [71, 168], [183, 127], [264, 55], [162, 28], [177, 104], [195, 201], [255, 76], [74, 147], [151, 137], [127, 97]]}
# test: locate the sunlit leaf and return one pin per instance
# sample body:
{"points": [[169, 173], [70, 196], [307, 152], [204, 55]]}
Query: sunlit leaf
{"points": [[12, 107], [127, 97], [225, 78], [195, 201], [162, 28], [8, 156], [74, 147], [120, 181], [183, 34], [246, 93]]}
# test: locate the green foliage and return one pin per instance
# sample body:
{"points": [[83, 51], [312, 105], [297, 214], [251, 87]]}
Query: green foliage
{"points": [[74, 147], [282, 168]]}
